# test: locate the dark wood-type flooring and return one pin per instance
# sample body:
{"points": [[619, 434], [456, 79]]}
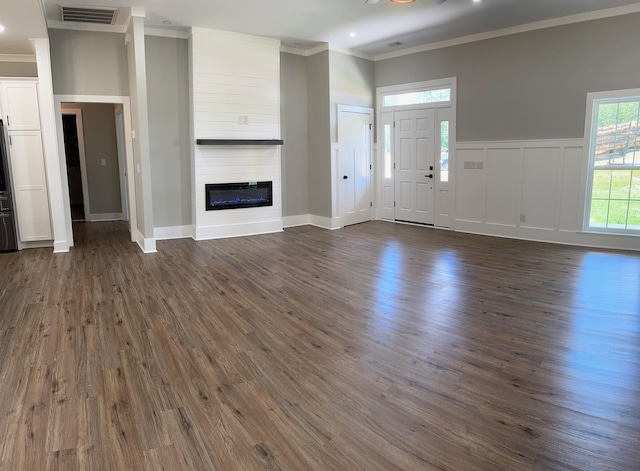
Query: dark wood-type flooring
{"points": [[376, 347]]}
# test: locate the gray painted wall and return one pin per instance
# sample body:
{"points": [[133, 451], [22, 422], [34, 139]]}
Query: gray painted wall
{"points": [[294, 131], [99, 125], [319, 145], [18, 69], [167, 63], [88, 63], [531, 85], [351, 83]]}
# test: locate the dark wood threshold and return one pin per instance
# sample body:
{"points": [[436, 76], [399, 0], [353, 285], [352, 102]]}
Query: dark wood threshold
{"points": [[239, 142]]}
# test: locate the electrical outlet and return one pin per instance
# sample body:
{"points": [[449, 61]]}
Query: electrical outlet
{"points": [[103, 162], [523, 218]]}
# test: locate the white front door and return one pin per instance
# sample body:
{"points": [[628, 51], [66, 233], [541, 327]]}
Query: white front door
{"points": [[354, 134], [415, 165]]}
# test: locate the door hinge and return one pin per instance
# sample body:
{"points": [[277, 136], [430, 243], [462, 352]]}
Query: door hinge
{"points": [[370, 126], [8, 123], [370, 167], [394, 124], [371, 204], [10, 141], [394, 204]]}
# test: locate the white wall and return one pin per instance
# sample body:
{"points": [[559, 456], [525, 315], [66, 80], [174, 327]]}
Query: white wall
{"points": [[235, 75]]}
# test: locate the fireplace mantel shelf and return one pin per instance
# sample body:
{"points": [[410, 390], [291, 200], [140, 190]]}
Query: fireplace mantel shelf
{"points": [[239, 142]]}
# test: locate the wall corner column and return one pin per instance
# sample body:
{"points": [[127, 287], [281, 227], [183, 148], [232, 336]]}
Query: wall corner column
{"points": [[56, 178]]}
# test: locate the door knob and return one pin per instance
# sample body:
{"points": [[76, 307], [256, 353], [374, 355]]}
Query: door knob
{"points": [[344, 177], [429, 176]]}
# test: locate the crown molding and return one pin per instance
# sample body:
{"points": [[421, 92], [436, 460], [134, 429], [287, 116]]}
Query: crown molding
{"points": [[166, 33], [564, 20], [17, 58]]}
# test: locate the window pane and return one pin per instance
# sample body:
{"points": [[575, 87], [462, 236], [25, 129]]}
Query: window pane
{"points": [[635, 185], [444, 151], [417, 98], [387, 151], [617, 137], [599, 213], [634, 215], [620, 184], [618, 210], [601, 184]]}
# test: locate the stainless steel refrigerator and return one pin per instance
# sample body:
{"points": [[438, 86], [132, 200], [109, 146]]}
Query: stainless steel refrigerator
{"points": [[8, 241]]}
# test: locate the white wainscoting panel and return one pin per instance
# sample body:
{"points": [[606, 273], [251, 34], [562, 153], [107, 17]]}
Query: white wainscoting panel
{"points": [[540, 187], [470, 184], [570, 217], [526, 190], [503, 169]]}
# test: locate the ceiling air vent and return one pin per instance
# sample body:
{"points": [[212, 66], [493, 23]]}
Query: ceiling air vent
{"points": [[102, 16]]}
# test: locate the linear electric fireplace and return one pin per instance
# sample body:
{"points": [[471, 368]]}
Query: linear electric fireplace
{"points": [[238, 195]]}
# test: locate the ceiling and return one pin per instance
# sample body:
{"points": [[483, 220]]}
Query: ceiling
{"points": [[306, 24]]}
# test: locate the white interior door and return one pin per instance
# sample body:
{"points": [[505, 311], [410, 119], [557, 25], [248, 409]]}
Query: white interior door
{"points": [[354, 134], [415, 165]]}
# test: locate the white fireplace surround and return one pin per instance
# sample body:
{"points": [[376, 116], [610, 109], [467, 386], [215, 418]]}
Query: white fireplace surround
{"points": [[235, 87]]}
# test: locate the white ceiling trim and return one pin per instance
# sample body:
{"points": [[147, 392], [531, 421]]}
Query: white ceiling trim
{"points": [[324, 47], [17, 58], [166, 33], [88, 27], [565, 20]]}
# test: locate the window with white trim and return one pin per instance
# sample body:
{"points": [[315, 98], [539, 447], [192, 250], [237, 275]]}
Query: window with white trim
{"points": [[613, 196], [417, 98]]}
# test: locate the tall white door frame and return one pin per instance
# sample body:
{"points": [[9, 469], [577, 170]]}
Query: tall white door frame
{"points": [[355, 144], [122, 161], [126, 106], [384, 171]]}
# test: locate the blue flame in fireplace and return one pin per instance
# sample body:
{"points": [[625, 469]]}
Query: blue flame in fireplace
{"points": [[239, 200]]}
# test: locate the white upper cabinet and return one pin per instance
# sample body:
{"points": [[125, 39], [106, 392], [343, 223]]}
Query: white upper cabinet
{"points": [[20, 105]]}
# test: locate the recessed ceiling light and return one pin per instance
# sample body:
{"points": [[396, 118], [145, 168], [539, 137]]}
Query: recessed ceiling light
{"points": [[352, 35], [403, 1], [166, 22], [1, 28]]}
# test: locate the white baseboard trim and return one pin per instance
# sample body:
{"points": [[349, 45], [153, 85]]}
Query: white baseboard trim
{"points": [[237, 230], [36, 244], [325, 223], [146, 245], [551, 236], [294, 221], [60, 246], [173, 232], [105, 217]]}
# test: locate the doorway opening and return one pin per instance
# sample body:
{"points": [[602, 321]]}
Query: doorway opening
{"points": [[96, 152]]}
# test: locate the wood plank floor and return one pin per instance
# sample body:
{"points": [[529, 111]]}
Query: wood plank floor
{"points": [[377, 347]]}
